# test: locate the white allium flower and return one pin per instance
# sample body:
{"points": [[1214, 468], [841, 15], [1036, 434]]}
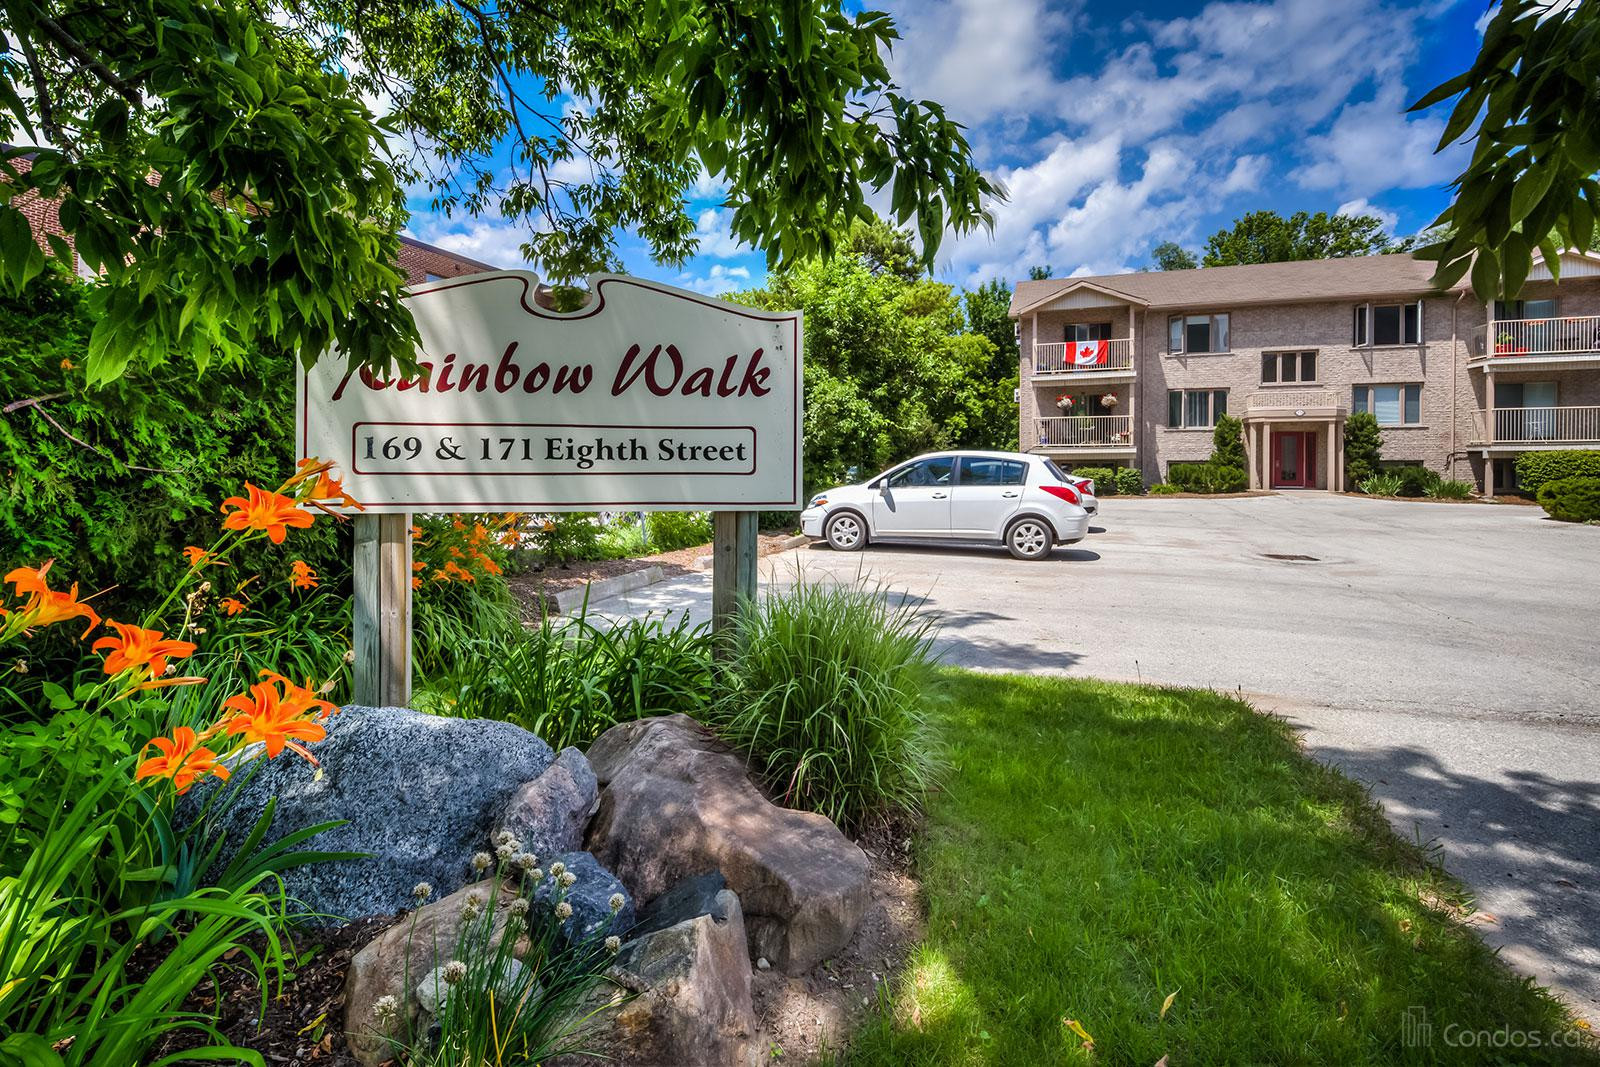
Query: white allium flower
{"points": [[384, 1009], [421, 891], [617, 901], [563, 911], [567, 879], [525, 861], [519, 907], [505, 852], [613, 944], [349, 655], [536, 874], [556, 868], [454, 972], [503, 837], [472, 907], [481, 861]]}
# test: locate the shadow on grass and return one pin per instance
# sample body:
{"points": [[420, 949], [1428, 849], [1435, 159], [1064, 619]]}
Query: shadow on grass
{"points": [[1098, 847]]}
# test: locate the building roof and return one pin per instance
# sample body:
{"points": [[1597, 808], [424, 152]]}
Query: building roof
{"points": [[1253, 283]]}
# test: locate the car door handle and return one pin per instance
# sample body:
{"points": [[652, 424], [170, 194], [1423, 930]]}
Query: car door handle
{"points": [[1009, 496], [940, 496]]}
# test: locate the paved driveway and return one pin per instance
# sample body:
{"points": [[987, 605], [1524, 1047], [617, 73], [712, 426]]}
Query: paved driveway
{"points": [[1446, 655]]}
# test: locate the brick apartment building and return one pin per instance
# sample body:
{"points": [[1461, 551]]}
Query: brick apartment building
{"points": [[1133, 369]]}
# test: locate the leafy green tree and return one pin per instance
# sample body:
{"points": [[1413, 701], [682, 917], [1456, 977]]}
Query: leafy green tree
{"points": [[1268, 237], [891, 369], [1536, 146], [217, 163], [1227, 443], [1039, 274], [1363, 447], [1170, 255], [987, 310]]}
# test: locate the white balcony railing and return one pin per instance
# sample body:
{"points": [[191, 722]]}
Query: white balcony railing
{"points": [[1084, 431], [1513, 338], [1060, 357], [1527, 426]]}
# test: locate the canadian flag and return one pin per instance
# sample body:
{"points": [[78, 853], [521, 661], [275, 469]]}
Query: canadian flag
{"points": [[1088, 353]]}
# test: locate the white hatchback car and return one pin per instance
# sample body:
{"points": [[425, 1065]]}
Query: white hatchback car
{"points": [[1024, 502]]}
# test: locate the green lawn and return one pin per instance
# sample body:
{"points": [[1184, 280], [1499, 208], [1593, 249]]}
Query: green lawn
{"points": [[1098, 847]]}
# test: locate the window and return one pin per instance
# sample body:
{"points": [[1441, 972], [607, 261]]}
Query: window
{"points": [[1191, 409], [1088, 331], [1394, 405], [1197, 333], [1288, 367], [1377, 325], [977, 470], [935, 471], [1505, 310], [432, 277]]}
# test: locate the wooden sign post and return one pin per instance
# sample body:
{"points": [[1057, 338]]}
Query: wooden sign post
{"points": [[648, 398], [733, 565], [381, 622]]}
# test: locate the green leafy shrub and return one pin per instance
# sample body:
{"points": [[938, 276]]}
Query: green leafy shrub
{"points": [[1129, 481], [566, 538], [1415, 480], [623, 538], [672, 530], [1227, 443], [1165, 489], [1363, 447], [825, 692], [1534, 469], [1105, 483], [1450, 489], [1207, 478], [1571, 499], [570, 680], [1388, 484]]}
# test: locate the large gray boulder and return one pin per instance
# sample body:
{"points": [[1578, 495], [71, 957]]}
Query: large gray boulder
{"points": [[548, 814], [677, 803], [419, 793], [590, 898]]}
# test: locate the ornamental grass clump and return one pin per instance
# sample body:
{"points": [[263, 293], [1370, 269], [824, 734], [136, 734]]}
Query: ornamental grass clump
{"points": [[825, 691], [510, 988]]}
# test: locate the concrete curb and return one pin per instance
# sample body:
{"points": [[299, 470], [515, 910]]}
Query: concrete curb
{"points": [[569, 599], [703, 563]]}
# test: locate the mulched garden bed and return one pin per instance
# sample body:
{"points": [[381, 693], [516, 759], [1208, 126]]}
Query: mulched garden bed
{"points": [[304, 1022]]}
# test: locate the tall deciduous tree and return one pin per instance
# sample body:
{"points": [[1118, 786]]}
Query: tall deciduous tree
{"points": [[1531, 183], [1170, 255], [987, 310], [1268, 237], [218, 164], [891, 369]]}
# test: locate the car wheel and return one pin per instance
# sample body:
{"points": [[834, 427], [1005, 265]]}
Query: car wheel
{"points": [[846, 532], [1030, 539]]}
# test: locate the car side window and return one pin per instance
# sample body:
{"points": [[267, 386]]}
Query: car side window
{"points": [[983, 471], [928, 472]]}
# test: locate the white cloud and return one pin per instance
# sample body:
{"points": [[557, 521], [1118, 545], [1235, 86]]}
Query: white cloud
{"points": [[1373, 146], [490, 241], [718, 280], [711, 229], [1363, 206]]}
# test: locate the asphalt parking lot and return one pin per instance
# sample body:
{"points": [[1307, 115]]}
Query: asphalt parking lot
{"points": [[1447, 655]]}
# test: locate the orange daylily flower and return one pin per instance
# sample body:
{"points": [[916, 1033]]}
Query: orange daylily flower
{"points": [[302, 698], [199, 557], [275, 720], [416, 583], [231, 605], [29, 579], [182, 759], [263, 510], [301, 576], [137, 647], [417, 565], [332, 489], [488, 563]]}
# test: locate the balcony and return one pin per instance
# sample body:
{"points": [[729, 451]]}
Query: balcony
{"points": [[1084, 433], [1532, 428], [1083, 359], [1269, 404], [1547, 342]]}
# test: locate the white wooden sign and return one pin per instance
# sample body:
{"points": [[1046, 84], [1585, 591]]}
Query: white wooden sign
{"points": [[648, 398]]}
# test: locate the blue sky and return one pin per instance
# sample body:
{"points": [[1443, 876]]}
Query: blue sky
{"points": [[1117, 124]]}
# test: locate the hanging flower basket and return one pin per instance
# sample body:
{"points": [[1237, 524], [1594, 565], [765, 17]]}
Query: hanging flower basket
{"points": [[1064, 402], [1109, 400]]}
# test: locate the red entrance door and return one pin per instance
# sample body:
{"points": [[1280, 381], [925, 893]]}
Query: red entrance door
{"points": [[1294, 459]]}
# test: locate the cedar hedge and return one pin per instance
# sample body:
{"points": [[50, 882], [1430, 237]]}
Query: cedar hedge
{"points": [[1571, 499], [1534, 469]]}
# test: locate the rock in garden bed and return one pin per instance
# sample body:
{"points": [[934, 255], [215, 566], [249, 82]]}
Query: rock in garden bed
{"points": [[548, 814], [677, 803], [419, 793]]}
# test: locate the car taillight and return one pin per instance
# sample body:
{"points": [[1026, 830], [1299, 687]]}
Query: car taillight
{"points": [[1064, 492]]}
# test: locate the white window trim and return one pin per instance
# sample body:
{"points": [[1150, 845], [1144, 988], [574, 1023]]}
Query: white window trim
{"points": [[1422, 409], [1280, 384], [1183, 334], [1183, 406], [1366, 310]]}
